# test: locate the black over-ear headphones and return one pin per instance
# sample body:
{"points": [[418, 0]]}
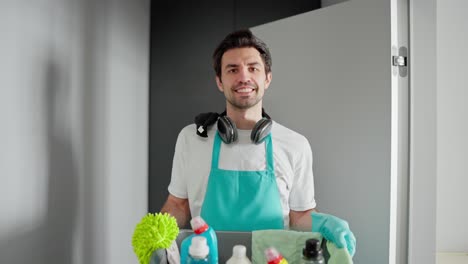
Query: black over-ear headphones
{"points": [[227, 129]]}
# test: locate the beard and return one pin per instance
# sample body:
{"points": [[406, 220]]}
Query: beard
{"points": [[244, 103]]}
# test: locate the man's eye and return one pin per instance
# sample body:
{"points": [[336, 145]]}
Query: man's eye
{"points": [[253, 69], [232, 70]]}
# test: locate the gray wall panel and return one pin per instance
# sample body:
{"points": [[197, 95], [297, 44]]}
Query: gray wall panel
{"points": [[332, 83]]}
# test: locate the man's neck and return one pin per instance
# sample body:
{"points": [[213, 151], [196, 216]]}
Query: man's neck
{"points": [[245, 118]]}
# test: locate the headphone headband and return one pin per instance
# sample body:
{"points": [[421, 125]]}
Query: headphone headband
{"points": [[227, 128]]}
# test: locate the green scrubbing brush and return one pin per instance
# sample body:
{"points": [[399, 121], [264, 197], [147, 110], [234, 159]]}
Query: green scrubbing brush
{"points": [[153, 232]]}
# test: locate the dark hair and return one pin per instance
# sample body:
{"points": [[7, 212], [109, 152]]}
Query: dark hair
{"points": [[241, 39]]}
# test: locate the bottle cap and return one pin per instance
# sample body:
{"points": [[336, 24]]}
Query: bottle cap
{"points": [[312, 248], [199, 248], [198, 225], [273, 256], [239, 251]]}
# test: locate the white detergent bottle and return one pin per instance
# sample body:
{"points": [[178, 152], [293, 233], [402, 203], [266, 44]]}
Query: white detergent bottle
{"points": [[239, 255]]}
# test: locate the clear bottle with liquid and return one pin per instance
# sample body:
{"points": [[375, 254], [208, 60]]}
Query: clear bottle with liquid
{"points": [[198, 251], [312, 252], [239, 255]]}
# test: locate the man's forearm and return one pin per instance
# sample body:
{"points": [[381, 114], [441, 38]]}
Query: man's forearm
{"points": [[178, 210], [178, 214], [300, 220]]}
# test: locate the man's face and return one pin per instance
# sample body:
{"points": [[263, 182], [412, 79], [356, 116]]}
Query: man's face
{"points": [[243, 77]]}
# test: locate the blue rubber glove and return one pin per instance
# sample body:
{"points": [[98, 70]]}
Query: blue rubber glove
{"points": [[335, 230]]}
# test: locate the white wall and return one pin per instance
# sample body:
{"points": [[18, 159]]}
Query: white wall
{"points": [[422, 187], [452, 125], [73, 118]]}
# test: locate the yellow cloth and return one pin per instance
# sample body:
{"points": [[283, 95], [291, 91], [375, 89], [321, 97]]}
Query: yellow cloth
{"points": [[290, 244]]}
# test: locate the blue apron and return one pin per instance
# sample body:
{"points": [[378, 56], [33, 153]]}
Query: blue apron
{"points": [[242, 200]]}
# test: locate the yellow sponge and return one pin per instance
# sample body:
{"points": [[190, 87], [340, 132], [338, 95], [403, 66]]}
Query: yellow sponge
{"points": [[153, 232]]}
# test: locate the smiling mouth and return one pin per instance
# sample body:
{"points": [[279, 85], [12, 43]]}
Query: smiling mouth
{"points": [[245, 90]]}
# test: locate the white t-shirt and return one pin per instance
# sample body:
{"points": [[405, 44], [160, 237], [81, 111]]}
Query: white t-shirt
{"points": [[292, 158]]}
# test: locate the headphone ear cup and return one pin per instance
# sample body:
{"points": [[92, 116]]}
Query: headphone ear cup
{"points": [[227, 130], [261, 130]]}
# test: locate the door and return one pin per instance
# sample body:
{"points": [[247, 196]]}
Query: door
{"points": [[334, 82]]}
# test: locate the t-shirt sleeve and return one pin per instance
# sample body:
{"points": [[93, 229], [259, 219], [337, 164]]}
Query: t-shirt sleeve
{"points": [[302, 196], [178, 184]]}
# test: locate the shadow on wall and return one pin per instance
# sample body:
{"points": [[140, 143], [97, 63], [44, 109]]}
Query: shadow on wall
{"points": [[51, 241], [71, 225], [62, 204]]}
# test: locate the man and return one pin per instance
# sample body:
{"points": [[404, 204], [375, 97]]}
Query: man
{"points": [[248, 172]]}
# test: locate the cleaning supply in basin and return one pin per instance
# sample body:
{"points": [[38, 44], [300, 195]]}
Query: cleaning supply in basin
{"points": [[198, 251], [200, 228], [312, 253], [239, 255], [154, 232], [274, 257], [291, 243]]}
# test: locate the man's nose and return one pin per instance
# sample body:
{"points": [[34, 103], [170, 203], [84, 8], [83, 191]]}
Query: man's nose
{"points": [[244, 75]]}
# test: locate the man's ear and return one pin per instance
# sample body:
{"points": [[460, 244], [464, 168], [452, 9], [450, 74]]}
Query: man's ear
{"points": [[220, 84], [268, 80]]}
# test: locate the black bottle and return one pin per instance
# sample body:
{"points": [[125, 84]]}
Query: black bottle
{"points": [[312, 253]]}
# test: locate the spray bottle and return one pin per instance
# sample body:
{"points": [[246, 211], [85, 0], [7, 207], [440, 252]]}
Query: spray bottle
{"points": [[200, 228], [312, 253]]}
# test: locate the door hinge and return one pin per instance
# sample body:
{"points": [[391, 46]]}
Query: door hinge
{"points": [[400, 61]]}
